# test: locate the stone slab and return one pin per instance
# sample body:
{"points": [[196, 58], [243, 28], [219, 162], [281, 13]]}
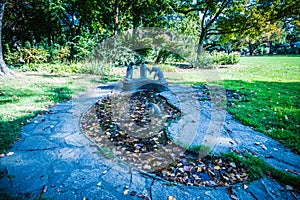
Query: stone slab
{"points": [[135, 84]]}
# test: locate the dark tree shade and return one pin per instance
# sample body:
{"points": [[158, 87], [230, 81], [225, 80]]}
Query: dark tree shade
{"points": [[4, 71]]}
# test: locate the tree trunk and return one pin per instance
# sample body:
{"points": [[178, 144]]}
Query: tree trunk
{"points": [[200, 45], [271, 48], [116, 17], [4, 71], [251, 49]]}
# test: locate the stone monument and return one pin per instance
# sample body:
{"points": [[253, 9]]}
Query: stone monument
{"points": [[129, 71], [143, 71], [130, 83]]}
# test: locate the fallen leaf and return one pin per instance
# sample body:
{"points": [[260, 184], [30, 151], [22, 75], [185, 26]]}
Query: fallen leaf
{"points": [[10, 153], [187, 168], [263, 147], [221, 183], [125, 192], [289, 188], [217, 167], [234, 197], [147, 167], [199, 169], [292, 171], [44, 189], [171, 198], [232, 164]]}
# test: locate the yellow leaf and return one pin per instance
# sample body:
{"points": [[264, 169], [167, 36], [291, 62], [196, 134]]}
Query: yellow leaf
{"points": [[171, 198], [125, 192], [217, 167], [199, 169]]}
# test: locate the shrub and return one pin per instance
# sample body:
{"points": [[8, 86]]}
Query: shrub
{"points": [[204, 62], [61, 54], [11, 58], [59, 68], [26, 55], [34, 55], [222, 58]]}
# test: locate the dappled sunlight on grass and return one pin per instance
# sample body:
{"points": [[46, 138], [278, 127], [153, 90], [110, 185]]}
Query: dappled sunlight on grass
{"points": [[23, 97], [270, 107], [269, 88], [269, 69]]}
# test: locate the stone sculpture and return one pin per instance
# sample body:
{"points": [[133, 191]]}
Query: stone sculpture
{"points": [[129, 83], [155, 110], [143, 71], [129, 71], [157, 72]]}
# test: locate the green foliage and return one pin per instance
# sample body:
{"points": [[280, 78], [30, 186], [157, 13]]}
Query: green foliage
{"points": [[222, 58], [200, 150], [107, 152], [61, 54], [68, 68], [36, 55], [269, 96], [207, 61], [167, 68], [258, 168], [83, 46]]}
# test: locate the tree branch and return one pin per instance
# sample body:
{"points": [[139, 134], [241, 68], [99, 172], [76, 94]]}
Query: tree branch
{"points": [[223, 6], [220, 31], [203, 18]]}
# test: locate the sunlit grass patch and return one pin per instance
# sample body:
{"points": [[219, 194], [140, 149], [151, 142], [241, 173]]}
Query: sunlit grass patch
{"points": [[270, 87], [270, 91], [23, 97], [270, 107]]}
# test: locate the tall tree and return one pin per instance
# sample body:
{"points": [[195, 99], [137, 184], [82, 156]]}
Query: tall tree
{"points": [[4, 71], [219, 17]]}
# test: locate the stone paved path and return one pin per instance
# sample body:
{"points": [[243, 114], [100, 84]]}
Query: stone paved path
{"points": [[53, 153]]}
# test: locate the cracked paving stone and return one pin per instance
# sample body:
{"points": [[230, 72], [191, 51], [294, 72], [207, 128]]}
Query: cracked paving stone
{"points": [[160, 191], [35, 143], [268, 189], [96, 192], [70, 153], [74, 140], [83, 178]]}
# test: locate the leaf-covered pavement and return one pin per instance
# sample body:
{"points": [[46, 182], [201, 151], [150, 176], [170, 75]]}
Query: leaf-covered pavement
{"points": [[54, 153]]}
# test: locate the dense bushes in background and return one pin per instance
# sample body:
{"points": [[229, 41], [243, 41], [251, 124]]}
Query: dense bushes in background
{"points": [[214, 59], [36, 55], [222, 58]]}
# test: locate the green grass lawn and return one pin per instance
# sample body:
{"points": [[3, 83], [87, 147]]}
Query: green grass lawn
{"points": [[24, 97], [269, 89], [270, 96]]}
